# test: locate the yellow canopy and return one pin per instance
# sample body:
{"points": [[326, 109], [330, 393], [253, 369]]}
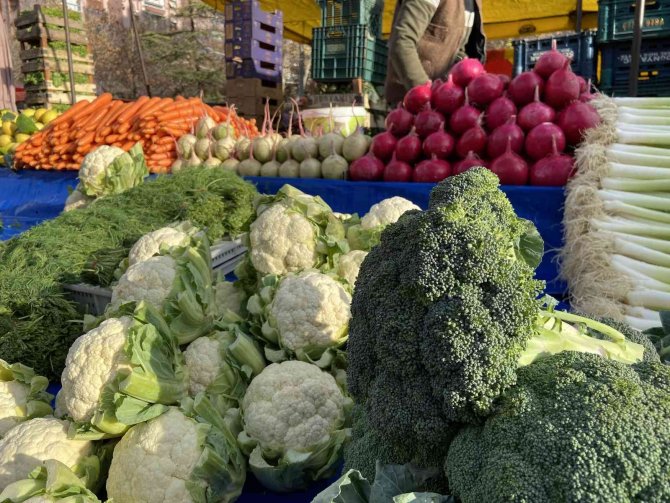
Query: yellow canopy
{"points": [[503, 18]]}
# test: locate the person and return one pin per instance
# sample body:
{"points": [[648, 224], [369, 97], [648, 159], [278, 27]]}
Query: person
{"points": [[428, 37]]}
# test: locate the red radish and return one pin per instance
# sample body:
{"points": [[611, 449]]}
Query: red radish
{"points": [[448, 97], [576, 119], [505, 79], [550, 62], [367, 168], [501, 137], [409, 148], [438, 145], [383, 145], [562, 87], [535, 113], [397, 171], [510, 168], [587, 96], [418, 98], [485, 88], [464, 118], [473, 140], [583, 86], [540, 141], [427, 122], [554, 170], [466, 70], [436, 83], [470, 161], [499, 112], [522, 89], [399, 122], [431, 171]]}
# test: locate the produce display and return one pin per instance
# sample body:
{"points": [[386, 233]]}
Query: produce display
{"points": [[156, 123], [17, 128], [617, 254]]}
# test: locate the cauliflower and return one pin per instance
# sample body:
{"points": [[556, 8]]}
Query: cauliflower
{"points": [[228, 297], [349, 264], [77, 199], [22, 395], [185, 455], [294, 418], [204, 360], [150, 280], [150, 244], [366, 234], [110, 170], [32, 442]]}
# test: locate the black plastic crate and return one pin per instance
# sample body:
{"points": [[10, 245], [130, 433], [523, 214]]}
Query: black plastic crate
{"points": [[348, 12], [654, 77], [344, 53], [579, 47], [616, 19], [251, 10]]}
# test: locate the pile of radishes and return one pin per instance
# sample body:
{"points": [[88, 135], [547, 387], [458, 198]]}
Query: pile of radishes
{"points": [[522, 130]]}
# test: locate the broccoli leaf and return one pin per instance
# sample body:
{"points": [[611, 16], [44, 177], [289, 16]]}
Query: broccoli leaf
{"points": [[530, 246], [25, 125]]}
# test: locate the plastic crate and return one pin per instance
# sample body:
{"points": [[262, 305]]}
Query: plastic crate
{"points": [[343, 53], [580, 48], [91, 299], [346, 12], [238, 10], [254, 69], [254, 49], [251, 88], [246, 30], [616, 19], [226, 255], [654, 77]]}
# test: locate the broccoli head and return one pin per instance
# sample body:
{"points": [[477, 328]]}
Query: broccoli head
{"points": [[576, 427], [633, 335]]}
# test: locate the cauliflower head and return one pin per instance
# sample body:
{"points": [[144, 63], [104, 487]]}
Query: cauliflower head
{"points": [[282, 241], [93, 168], [204, 360], [228, 297], [349, 264], [77, 199], [150, 281], [91, 364], [387, 212], [13, 397], [150, 244], [310, 311], [22, 395], [30, 443], [292, 406]]}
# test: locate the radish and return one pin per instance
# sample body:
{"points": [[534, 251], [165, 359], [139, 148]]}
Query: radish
{"points": [[554, 170], [562, 87], [505, 79], [473, 140], [242, 147], [436, 83], [418, 98], [355, 145], [330, 142], [289, 169], [383, 146], [334, 167], [270, 168], [507, 134], [250, 166], [535, 113], [448, 97], [522, 89], [485, 88], [550, 62], [499, 112], [310, 168], [587, 96], [464, 118], [439, 145], [399, 121], [397, 171], [542, 139], [470, 161], [576, 119], [583, 86], [510, 168], [230, 164], [409, 148], [304, 147], [428, 122], [367, 168], [431, 171], [466, 70]]}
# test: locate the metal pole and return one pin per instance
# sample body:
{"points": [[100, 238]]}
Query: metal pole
{"points": [[68, 48], [580, 14], [139, 48], [635, 49]]}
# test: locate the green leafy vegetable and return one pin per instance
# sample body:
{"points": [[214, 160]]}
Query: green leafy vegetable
{"points": [[25, 125]]}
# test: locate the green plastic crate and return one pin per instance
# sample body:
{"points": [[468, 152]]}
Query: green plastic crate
{"points": [[616, 19], [352, 12]]}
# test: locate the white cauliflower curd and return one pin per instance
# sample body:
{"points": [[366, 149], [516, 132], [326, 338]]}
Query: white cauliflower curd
{"points": [[349, 265], [150, 244], [387, 212]]}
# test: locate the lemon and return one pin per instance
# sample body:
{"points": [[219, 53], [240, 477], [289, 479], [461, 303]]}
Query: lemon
{"points": [[48, 116], [39, 113], [28, 112], [5, 140], [8, 128], [39, 126], [11, 148], [20, 138]]}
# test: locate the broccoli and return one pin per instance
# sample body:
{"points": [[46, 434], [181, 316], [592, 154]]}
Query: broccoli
{"points": [[444, 312], [633, 335], [576, 427]]}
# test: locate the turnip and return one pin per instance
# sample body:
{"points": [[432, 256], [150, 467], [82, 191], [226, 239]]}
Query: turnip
{"points": [[554, 170], [562, 87], [535, 113], [289, 169], [485, 88], [192, 161], [470, 161], [330, 142], [230, 164], [283, 150], [399, 121], [250, 166], [418, 98], [177, 166], [367, 168], [203, 126], [334, 167], [310, 168], [185, 145], [473, 140], [212, 162], [550, 62], [465, 70], [576, 119], [397, 171], [202, 148], [242, 148], [510, 167], [409, 148], [355, 145], [464, 118], [499, 112], [223, 149], [506, 135], [304, 148], [431, 171], [224, 130], [448, 97], [439, 145], [263, 145], [428, 122], [544, 139], [270, 168], [522, 88], [383, 146]]}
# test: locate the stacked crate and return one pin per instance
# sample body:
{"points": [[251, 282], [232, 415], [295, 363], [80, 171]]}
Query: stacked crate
{"points": [[615, 35], [44, 58], [254, 57]]}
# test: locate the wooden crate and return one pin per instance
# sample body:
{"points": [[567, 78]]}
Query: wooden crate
{"points": [[48, 86], [252, 88], [52, 55], [47, 98], [49, 67], [40, 34], [37, 16]]}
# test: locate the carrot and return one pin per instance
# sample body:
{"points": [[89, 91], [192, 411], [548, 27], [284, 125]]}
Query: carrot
{"points": [[165, 140], [156, 105], [71, 112], [93, 121], [130, 112], [117, 108], [159, 157], [128, 145], [124, 128], [111, 139], [87, 139], [102, 101]]}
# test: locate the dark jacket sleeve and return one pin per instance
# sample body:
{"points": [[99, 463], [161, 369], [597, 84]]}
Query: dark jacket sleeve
{"points": [[411, 24]]}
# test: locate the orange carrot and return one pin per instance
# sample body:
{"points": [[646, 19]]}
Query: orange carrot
{"points": [[130, 112], [71, 112]]}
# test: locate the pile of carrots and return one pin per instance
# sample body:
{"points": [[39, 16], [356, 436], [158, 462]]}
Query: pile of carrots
{"points": [[156, 123]]}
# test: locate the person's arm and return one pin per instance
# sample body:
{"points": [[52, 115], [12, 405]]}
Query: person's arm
{"points": [[411, 24]]}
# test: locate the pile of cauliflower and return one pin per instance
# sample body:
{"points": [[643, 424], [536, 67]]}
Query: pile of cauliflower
{"points": [[189, 381]]}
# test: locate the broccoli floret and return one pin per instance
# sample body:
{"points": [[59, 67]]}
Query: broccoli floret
{"points": [[650, 353], [576, 427]]}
